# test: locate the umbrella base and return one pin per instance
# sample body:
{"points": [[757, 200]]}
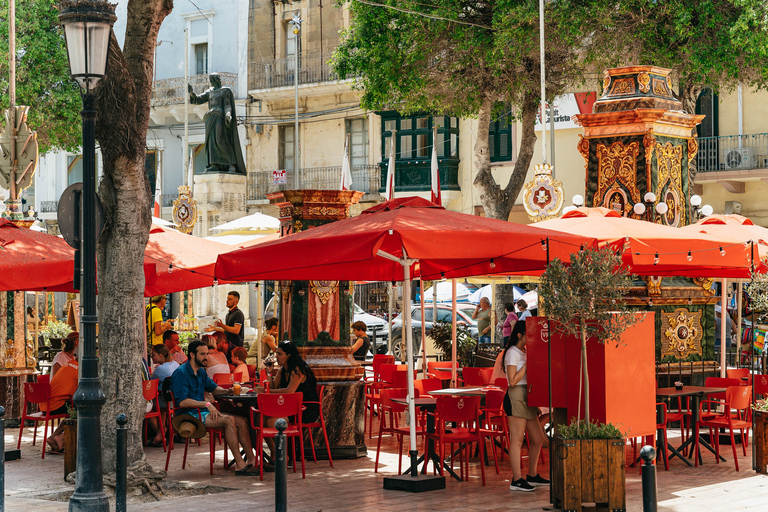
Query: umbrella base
{"points": [[420, 483]]}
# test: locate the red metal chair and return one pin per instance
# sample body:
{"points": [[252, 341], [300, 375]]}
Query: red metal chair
{"points": [[385, 380], [224, 380], [400, 379], [462, 410], [495, 424], [372, 387], [735, 416], [252, 374], [320, 423], [39, 393], [41, 379], [716, 398], [212, 434], [473, 377], [279, 405], [743, 374], [388, 423], [440, 369], [761, 385], [426, 386], [149, 389]]}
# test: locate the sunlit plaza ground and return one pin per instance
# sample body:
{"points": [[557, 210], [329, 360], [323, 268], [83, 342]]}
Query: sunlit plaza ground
{"points": [[352, 485]]}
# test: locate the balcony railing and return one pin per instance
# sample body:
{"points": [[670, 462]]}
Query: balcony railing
{"points": [[49, 206], [313, 68], [171, 91], [733, 152], [365, 178]]}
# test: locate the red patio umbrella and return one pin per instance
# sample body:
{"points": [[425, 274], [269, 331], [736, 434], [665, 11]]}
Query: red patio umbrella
{"points": [[30, 260], [440, 243], [681, 252], [734, 229], [395, 241]]}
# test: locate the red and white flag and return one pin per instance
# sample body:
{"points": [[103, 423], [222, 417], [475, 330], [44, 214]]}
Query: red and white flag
{"points": [[346, 169], [390, 190], [158, 194], [436, 197], [191, 172]]}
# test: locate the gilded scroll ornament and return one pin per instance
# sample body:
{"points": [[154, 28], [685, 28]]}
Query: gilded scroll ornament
{"points": [[324, 289], [617, 163], [669, 176], [606, 83], [659, 88], [706, 283], [669, 83], [681, 333], [648, 142], [583, 147], [693, 148], [297, 226], [653, 284], [623, 86], [644, 82]]}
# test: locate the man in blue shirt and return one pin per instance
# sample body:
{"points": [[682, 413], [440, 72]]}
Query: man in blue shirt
{"points": [[189, 383]]}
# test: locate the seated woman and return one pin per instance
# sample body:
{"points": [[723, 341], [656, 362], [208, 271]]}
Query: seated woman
{"points": [[217, 362], [361, 345], [63, 386], [293, 376], [67, 354], [269, 341]]}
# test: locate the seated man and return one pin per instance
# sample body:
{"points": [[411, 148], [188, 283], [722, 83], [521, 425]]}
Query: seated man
{"points": [[171, 340], [189, 383]]}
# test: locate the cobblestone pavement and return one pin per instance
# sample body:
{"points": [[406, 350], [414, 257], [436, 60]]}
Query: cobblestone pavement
{"points": [[353, 486]]}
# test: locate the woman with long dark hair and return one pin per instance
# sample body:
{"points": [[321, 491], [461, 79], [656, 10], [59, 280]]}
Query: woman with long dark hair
{"points": [[521, 416]]}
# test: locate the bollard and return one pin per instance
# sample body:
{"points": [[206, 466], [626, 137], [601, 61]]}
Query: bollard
{"points": [[121, 458], [281, 468], [2, 459], [648, 454]]}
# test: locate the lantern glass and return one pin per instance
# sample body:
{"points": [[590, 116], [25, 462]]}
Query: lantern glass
{"points": [[87, 46]]}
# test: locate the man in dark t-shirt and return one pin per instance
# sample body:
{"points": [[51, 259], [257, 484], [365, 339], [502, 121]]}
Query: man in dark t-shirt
{"points": [[233, 324]]}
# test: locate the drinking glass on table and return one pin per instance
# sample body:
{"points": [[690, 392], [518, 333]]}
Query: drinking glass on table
{"points": [[236, 388]]}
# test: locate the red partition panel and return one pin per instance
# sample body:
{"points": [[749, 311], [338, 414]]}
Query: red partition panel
{"points": [[537, 337]]}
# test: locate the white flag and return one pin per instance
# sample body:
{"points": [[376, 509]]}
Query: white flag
{"points": [[436, 197], [158, 194], [346, 169], [390, 190]]}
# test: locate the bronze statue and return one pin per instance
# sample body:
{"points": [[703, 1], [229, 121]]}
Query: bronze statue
{"points": [[222, 144]]}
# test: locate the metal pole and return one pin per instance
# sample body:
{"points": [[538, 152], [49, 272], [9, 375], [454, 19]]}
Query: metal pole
{"points": [[552, 138], [281, 469], [296, 166], [2, 458], [543, 87], [648, 454], [12, 96], [89, 397], [454, 336], [185, 149], [723, 325], [121, 463], [408, 337], [549, 386], [738, 323]]}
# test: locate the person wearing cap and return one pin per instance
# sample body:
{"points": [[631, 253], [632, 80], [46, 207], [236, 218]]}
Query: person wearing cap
{"points": [[189, 384], [155, 325], [730, 329]]}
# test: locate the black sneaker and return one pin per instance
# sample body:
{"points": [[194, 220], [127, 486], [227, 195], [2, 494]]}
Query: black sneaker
{"points": [[520, 485], [536, 480]]}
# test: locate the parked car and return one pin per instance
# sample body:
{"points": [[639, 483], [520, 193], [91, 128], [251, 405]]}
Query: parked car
{"points": [[464, 317]]}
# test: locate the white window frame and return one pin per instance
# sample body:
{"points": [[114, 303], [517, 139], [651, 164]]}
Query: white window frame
{"points": [[207, 39]]}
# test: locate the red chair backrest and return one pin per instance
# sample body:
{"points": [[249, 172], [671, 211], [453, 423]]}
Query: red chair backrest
{"points": [[44, 378], [426, 386], [149, 389], [440, 369], [388, 394], [473, 376], [487, 374], [224, 380], [37, 392], [738, 397], [252, 372], [501, 382], [458, 409], [386, 371], [761, 384], [720, 382], [380, 359], [739, 373], [400, 379], [663, 423], [280, 405], [494, 399]]}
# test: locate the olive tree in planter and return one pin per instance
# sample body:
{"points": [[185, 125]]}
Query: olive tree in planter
{"points": [[586, 300], [442, 336]]}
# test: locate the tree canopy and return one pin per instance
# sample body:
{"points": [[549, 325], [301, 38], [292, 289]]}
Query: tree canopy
{"points": [[42, 74]]}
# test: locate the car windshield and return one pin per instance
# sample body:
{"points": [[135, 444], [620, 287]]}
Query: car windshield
{"points": [[358, 310]]}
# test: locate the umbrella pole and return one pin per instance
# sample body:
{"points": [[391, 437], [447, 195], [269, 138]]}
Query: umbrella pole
{"points": [[259, 324], [434, 321], [493, 312], [424, 329], [391, 288], [723, 324], [453, 334], [409, 354], [738, 323]]}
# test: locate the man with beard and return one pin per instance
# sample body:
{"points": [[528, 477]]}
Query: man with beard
{"points": [[189, 384]]}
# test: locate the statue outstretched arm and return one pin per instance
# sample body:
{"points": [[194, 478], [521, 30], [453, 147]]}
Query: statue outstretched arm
{"points": [[196, 99]]}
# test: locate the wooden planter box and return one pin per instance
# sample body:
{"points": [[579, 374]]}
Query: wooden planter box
{"points": [[760, 441], [588, 471], [70, 446]]}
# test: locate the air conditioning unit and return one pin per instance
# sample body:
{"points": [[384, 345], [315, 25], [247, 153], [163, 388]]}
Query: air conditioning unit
{"points": [[732, 207], [738, 158]]}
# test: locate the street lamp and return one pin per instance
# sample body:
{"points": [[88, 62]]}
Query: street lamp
{"points": [[87, 27], [296, 22]]}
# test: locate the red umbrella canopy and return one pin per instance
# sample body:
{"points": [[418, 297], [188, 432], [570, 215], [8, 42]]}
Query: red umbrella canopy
{"points": [[442, 242], [30, 260], [183, 262], [680, 252], [734, 229]]}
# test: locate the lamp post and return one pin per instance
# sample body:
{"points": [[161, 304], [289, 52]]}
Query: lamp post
{"points": [[87, 26]]}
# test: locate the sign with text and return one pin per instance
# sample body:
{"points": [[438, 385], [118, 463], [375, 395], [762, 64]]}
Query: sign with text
{"points": [[565, 107], [279, 177]]}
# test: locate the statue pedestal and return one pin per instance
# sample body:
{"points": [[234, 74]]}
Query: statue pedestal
{"points": [[344, 412], [222, 194]]}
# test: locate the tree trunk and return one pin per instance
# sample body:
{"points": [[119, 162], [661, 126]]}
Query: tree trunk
{"points": [[121, 128], [584, 369], [496, 201]]}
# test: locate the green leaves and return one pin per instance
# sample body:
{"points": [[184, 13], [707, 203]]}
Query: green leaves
{"points": [[589, 430], [42, 75]]}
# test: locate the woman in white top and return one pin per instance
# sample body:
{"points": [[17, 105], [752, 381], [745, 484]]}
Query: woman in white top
{"points": [[67, 353], [217, 361], [522, 417]]}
